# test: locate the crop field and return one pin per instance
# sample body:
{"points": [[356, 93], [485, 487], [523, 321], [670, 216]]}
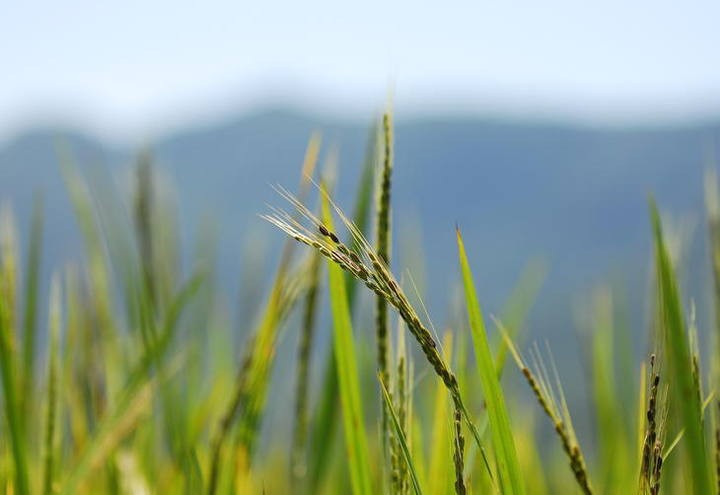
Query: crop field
{"points": [[129, 377]]}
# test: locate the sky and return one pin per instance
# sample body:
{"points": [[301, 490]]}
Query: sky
{"points": [[128, 70]]}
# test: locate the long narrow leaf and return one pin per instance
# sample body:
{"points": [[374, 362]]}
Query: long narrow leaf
{"points": [[326, 416], [511, 480], [348, 381], [678, 351], [32, 272], [400, 436]]}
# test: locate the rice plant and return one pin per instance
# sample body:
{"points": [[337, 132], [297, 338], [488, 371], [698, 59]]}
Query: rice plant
{"points": [[139, 381]]}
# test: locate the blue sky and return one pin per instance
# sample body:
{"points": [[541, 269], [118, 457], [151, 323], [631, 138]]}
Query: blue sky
{"points": [[131, 69]]}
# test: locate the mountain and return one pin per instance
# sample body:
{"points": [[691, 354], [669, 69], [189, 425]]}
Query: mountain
{"points": [[574, 195]]}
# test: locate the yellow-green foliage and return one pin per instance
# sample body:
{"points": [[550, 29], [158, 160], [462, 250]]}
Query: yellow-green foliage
{"points": [[143, 386]]}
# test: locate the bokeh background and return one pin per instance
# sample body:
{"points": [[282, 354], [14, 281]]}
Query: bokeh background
{"points": [[539, 129]]}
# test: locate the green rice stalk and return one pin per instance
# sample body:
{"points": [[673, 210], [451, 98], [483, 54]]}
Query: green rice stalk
{"points": [[282, 297], [680, 361], [117, 426], [641, 414], [73, 390], [250, 391], [55, 320], [32, 272], [612, 438], [365, 265], [403, 407], [8, 369], [143, 226], [717, 448], [226, 421], [354, 427], [656, 417], [511, 480], [101, 308], [326, 416], [133, 401], [299, 447], [383, 252], [438, 474], [459, 454], [282, 301], [712, 203], [400, 435], [552, 401]]}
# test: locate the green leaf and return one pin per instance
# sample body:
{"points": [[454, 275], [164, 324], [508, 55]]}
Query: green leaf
{"points": [[401, 436], [133, 400], [348, 381], [325, 420], [32, 273], [673, 325], [511, 481], [8, 355]]}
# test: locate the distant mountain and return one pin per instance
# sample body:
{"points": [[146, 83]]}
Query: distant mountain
{"points": [[574, 195]]}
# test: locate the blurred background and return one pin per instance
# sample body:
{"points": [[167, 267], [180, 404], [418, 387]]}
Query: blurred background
{"points": [[539, 129]]}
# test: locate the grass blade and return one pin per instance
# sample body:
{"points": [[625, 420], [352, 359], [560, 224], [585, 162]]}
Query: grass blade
{"points": [[679, 358], [8, 370], [326, 415], [383, 251], [134, 399], [349, 386], [52, 394], [397, 428], [32, 271], [511, 480], [299, 447], [440, 434]]}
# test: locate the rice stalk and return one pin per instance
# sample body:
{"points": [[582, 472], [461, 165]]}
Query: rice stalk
{"points": [[250, 391], [398, 469], [32, 272], [326, 415], [440, 432], [511, 480], [656, 418], [299, 461], [365, 264], [348, 381], [712, 208], [641, 413], [283, 295], [717, 447], [226, 421], [613, 450], [383, 252], [55, 321], [8, 352], [133, 401], [552, 401], [143, 215], [680, 359], [459, 454], [398, 430]]}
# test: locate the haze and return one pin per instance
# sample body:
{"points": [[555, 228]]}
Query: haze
{"points": [[137, 69]]}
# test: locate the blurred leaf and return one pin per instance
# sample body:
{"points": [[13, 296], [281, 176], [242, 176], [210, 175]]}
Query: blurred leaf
{"points": [[349, 387], [679, 358], [511, 479]]}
